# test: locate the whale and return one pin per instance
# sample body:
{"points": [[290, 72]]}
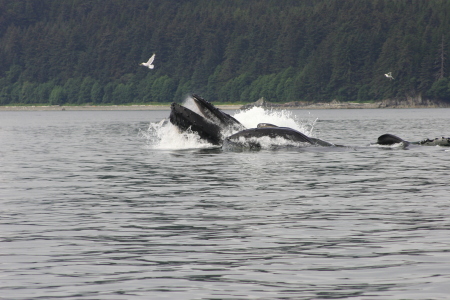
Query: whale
{"points": [[216, 127], [210, 124], [185, 119], [215, 115], [311, 140], [250, 138], [441, 141], [390, 139]]}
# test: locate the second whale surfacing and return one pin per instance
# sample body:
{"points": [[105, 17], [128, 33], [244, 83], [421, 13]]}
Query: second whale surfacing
{"points": [[251, 138], [390, 140]]}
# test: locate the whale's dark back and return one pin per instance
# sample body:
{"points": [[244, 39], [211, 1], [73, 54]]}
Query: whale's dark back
{"points": [[389, 139], [273, 132]]}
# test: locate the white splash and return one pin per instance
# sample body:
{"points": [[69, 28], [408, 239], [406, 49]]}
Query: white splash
{"points": [[265, 143], [282, 118], [163, 136], [401, 145]]}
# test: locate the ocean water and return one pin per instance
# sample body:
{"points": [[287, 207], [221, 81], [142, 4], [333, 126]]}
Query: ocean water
{"points": [[119, 205]]}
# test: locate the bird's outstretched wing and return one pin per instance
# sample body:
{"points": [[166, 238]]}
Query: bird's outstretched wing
{"points": [[151, 59]]}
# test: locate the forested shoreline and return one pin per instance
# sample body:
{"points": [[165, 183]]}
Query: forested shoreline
{"points": [[60, 52]]}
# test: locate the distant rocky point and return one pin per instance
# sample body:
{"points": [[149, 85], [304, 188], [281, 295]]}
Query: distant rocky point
{"points": [[410, 102]]}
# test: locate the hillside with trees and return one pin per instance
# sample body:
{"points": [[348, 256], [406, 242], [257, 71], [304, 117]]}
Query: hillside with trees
{"points": [[88, 51]]}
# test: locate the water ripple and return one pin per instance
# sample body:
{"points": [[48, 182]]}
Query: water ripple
{"points": [[90, 212]]}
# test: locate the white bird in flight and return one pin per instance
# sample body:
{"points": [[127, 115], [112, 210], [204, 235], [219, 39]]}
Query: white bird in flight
{"points": [[389, 75], [149, 63]]}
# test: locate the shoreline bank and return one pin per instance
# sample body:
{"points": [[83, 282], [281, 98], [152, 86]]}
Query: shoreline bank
{"points": [[332, 105]]}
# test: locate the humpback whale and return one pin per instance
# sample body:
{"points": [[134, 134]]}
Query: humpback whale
{"points": [[390, 139], [185, 119], [211, 124], [313, 141], [215, 115], [248, 138], [217, 127], [442, 141]]}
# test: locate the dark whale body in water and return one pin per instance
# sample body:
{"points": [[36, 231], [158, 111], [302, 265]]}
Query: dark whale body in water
{"points": [[442, 141], [210, 123], [248, 138], [311, 140], [390, 139]]}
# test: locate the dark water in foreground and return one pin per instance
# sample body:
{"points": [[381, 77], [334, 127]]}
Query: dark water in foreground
{"points": [[90, 210]]}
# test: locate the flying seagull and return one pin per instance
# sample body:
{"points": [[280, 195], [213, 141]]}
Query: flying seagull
{"points": [[149, 63], [389, 75]]}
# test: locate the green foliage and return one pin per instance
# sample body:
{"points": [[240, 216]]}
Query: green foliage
{"points": [[77, 52], [441, 90], [96, 93], [57, 96]]}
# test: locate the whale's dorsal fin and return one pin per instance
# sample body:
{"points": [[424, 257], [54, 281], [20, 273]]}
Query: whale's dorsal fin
{"points": [[265, 125]]}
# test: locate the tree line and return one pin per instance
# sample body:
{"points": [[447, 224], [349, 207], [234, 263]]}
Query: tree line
{"points": [[84, 51]]}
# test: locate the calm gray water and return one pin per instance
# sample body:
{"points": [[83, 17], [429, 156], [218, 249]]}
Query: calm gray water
{"points": [[91, 209]]}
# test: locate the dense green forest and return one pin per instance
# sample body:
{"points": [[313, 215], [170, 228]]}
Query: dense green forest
{"points": [[88, 51]]}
